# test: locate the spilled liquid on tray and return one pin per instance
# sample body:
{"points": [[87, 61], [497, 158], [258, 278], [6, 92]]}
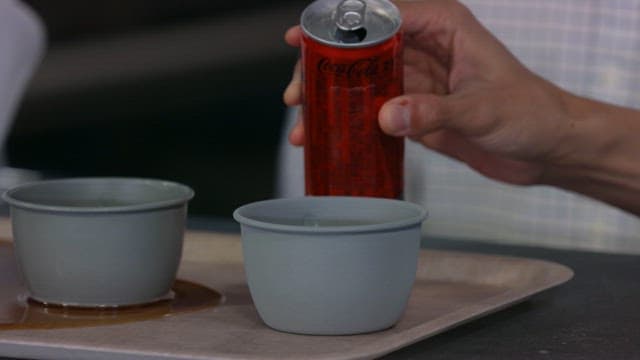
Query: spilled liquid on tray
{"points": [[17, 312]]}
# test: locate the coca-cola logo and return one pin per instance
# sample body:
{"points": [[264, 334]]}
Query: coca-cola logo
{"points": [[364, 67]]}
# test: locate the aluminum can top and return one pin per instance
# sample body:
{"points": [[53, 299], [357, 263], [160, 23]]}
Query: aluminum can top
{"points": [[376, 20]]}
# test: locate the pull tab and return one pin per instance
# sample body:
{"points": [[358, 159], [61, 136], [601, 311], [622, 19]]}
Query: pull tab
{"points": [[350, 21], [350, 15]]}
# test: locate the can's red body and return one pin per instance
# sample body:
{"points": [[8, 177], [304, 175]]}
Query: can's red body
{"points": [[346, 152]]}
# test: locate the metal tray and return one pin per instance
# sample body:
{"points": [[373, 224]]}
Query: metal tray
{"points": [[451, 288]]}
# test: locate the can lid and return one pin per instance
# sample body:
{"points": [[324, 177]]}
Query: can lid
{"points": [[374, 21]]}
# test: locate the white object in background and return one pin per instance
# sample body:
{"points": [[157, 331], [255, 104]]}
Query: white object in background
{"points": [[22, 43]]}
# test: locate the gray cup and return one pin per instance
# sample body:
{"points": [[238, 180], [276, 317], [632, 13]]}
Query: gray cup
{"points": [[98, 242], [330, 265]]}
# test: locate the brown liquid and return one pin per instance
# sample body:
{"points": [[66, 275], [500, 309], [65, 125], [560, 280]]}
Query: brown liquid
{"points": [[18, 312]]}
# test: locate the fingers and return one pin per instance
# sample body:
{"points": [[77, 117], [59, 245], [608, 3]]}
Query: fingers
{"points": [[431, 25], [296, 136], [438, 15], [293, 93], [415, 115], [293, 36]]}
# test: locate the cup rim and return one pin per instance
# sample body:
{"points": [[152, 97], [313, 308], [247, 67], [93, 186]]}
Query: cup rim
{"points": [[421, 215], [186, 194]]}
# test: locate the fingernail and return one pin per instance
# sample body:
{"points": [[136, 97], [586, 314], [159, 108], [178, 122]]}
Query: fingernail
{"points": [[399, 119]]}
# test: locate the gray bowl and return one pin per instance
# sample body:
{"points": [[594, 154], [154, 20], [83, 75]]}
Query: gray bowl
{"points": [[98, 242], [330, 265]]}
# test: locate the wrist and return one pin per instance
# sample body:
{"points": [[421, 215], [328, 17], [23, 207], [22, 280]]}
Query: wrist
{"points": [[585, 142], [598, 153]]}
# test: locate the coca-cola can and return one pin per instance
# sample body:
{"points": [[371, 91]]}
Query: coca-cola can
{"points": [[351, 65]]}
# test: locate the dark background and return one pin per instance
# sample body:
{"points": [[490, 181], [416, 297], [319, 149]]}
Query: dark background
{"points": [[188, 91]]}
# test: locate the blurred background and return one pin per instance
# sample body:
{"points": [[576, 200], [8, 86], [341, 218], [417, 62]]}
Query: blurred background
{"points": [[188, 91]]}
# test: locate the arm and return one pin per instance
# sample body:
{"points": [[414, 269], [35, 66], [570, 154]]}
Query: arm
{"points": [[600, 156], [469, 98]]}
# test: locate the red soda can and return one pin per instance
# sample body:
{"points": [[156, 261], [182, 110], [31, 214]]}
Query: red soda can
{"points": [[351, 65]]}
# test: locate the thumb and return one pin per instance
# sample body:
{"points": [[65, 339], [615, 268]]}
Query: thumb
{"points": [[415, 115]]}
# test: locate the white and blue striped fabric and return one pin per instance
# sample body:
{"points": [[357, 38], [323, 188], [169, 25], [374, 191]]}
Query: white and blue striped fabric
{"points": [[589, 47]]}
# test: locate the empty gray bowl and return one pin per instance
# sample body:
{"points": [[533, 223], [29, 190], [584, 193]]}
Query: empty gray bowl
{"points": [[98, 242], [330, 265]]}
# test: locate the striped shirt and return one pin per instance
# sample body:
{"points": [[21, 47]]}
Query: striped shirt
{"points": [[588, 47]]}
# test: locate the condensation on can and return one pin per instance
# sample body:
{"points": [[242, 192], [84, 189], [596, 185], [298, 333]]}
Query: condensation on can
{"points": [[345, 85]]}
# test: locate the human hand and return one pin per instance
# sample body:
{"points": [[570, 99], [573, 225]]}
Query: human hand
{"points": [[466, 96]]}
